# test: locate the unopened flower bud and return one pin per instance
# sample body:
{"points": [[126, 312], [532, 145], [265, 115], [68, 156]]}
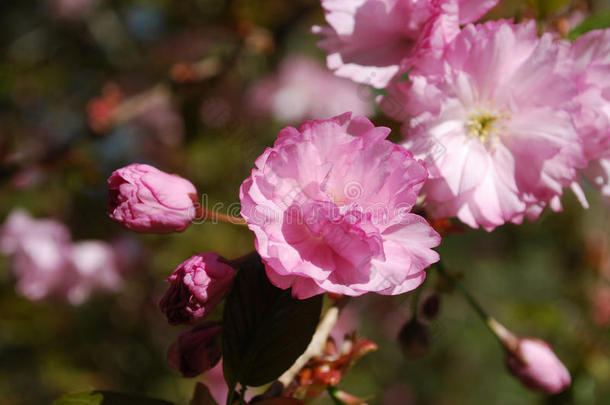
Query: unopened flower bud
{"points": [[537, 367], [197, 286], [145, 199], [196, 350], [431, 306], [414, 339]]}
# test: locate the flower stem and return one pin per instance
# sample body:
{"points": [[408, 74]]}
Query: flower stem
{"points": [[506, 337], [204, 214], [242, 395], [318, 341], [460, 287]]}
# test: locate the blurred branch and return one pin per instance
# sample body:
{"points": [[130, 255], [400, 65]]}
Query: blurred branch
{"points": [[506, 337]]}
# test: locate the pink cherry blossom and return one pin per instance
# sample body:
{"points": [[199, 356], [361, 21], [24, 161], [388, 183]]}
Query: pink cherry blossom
{"points": [[591, 56], [72, 9], [39, 252], [46, 263], [197, 286], [94, 266], [537, 367], [145, 199], [493, 123], [330, 205], [368, 40], [300, 91], [472, 10]]}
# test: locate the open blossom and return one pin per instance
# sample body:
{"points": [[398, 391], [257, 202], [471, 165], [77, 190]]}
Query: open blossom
{"points": [[197, 286], [472, 10], [330, 205], [537, 367], [196, 350], [46, 263], [591, 56], [493, 123], [368, 40], [145, 199], [301, 90]]}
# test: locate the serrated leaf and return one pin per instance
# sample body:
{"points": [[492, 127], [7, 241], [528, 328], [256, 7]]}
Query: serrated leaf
{"points": [[107, 398], [595, 22], [264, 329]]}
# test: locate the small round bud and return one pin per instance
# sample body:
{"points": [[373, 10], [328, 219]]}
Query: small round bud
{"points": [[197, 286], [414, 339], [196, 350], [431, 306], [145, 199]]}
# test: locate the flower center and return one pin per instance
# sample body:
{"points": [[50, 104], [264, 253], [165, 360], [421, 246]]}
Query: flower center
{"points": [[485, 125]]}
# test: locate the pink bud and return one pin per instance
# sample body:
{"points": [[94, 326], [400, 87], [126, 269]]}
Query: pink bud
{"points": [[197, 286], [145, 199], [196, 350], [537, 367]]}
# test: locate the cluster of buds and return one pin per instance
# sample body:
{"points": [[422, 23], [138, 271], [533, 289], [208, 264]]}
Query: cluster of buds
{"points": [[327, 369]]}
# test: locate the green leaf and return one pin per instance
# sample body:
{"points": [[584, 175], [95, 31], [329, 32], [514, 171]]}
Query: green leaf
{"points": [[595, 22], [265, 330], [107, 398]]}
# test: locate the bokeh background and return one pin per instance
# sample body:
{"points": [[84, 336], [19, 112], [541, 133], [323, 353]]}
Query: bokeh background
{"points": [[200, 88]]}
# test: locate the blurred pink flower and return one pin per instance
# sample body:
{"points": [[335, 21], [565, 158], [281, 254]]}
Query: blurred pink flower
{"points": [[72, 9], [46, 263], [20, 229], [301, 89], [157, 116], [368, 40], [196, 350], [537, 367], [347, 323], [145, 199], [214, 380], [591, 56], [197, 286], [330, 208], [39, 250], [500, 105], [95, 267]]}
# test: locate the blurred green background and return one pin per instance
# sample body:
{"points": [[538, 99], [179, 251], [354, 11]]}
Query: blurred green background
{"points": [[61, 61]]}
